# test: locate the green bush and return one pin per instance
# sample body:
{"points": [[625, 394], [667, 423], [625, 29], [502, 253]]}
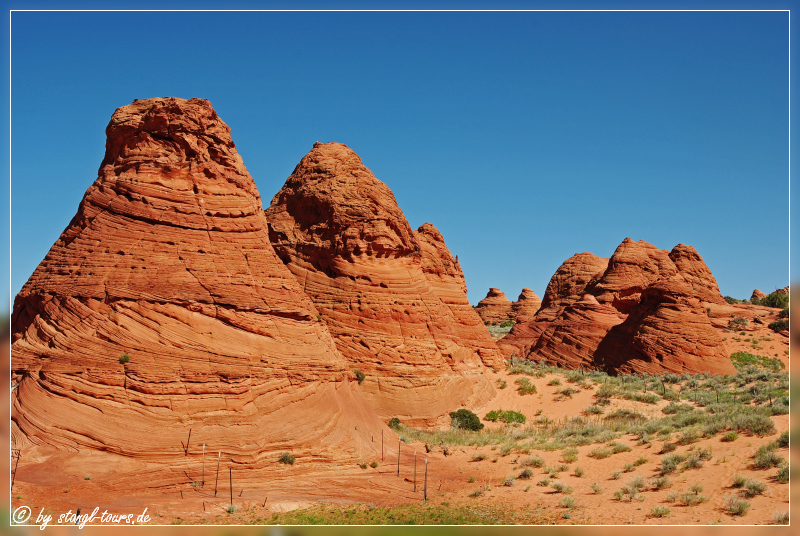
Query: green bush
{"points": [[753, 488], [659, 511], [359, 376], [766, 457], [506, 416], [779, 325], [465, 420], [739, 481], [124, 358], [670, 462], [394, 423], [525, 386], [286, 458], [783, 474], [783, 440], [735, 506], [730, 436], [775, 299], [507, 324]]}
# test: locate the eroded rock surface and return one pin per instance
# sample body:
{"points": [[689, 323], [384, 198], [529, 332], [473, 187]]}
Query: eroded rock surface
{"points": [[643, 310], [526, 306], [385, 301], [168, 262], [495, 307]]}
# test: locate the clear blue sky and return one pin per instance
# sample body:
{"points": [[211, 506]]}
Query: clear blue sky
{"points": [[524, 137]]}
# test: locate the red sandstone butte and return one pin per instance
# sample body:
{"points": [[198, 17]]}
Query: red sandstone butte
{"points": [[697, 274], [757, 295], [495, 307], [447, 281], [341, 233], [168, 261], [645, 312], [526, 306]]}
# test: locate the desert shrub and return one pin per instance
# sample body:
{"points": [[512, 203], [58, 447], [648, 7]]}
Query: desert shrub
{"points": [[544, 483], [554, 381], [775, 299], [525, 474], [616, 448], [734, 301], [479, 457], [640, 461], [696, 488], [754, 487], [560, 487], [506, 449], [738, 481], [509, 481], [362, 465], [766, 457], [688, 436], [534, 461], [506, 416], [124, 358], [567, 502], [507, 324], [693, 461], [743, 360], [600, 453], [736, 506], [660, 482], [691, 499], [737, 323], [783, 440], [286, 458], [616, 474], [779, 325], [594, 410], [781, 518], [359, 376], [666, 448], [597, 488], [783, 474], [525, 387], [567, 392], [730, 436], [491, 416], [670, 462], [659, 511], [570, 455], [501, 384], [374, 464], [579, 472], [464, 419], [394, 423]]}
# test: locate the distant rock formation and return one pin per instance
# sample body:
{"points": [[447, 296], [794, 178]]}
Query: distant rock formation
{"points": [[784, 290], [388, 294], [524, 309], [642, 310], [757, 295], [163, 308], [495, 307]]}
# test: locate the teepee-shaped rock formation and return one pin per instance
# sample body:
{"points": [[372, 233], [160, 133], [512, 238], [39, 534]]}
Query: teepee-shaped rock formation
{"points": [[642, 310], [495, 307], [526, 306], [388, 295], [163, 308]]}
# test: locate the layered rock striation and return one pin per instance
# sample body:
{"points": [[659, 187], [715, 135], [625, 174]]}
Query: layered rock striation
{"points": [[163, 308], [495, 307], [642, 310], [526, 306], [390, 296]]}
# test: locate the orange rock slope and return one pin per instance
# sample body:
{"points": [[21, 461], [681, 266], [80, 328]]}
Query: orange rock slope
{"points": [[526, 306], [642, 310], [392, 298], [168, 261]]}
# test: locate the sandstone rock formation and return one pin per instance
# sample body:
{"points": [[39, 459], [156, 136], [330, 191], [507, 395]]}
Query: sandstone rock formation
{"points": [[341, 233], [168, 262], [644, 310], [757, 295], [526, 306], [447, 282], [495, 307], [569, 283], [697, 274], [784, 290]]}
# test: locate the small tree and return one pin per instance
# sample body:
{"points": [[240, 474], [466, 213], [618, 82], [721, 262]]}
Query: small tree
{"points": [[466, 420], [359, 376], [124, 358]]}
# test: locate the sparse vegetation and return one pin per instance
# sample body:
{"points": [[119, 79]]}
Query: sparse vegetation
{"points": [[124, 358], [359, 376], [660, 511], [506, 416], [525, 387], [736, 506], [287, 458]]}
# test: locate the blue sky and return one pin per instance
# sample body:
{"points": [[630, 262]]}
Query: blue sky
{"points": [[524, 137]]}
